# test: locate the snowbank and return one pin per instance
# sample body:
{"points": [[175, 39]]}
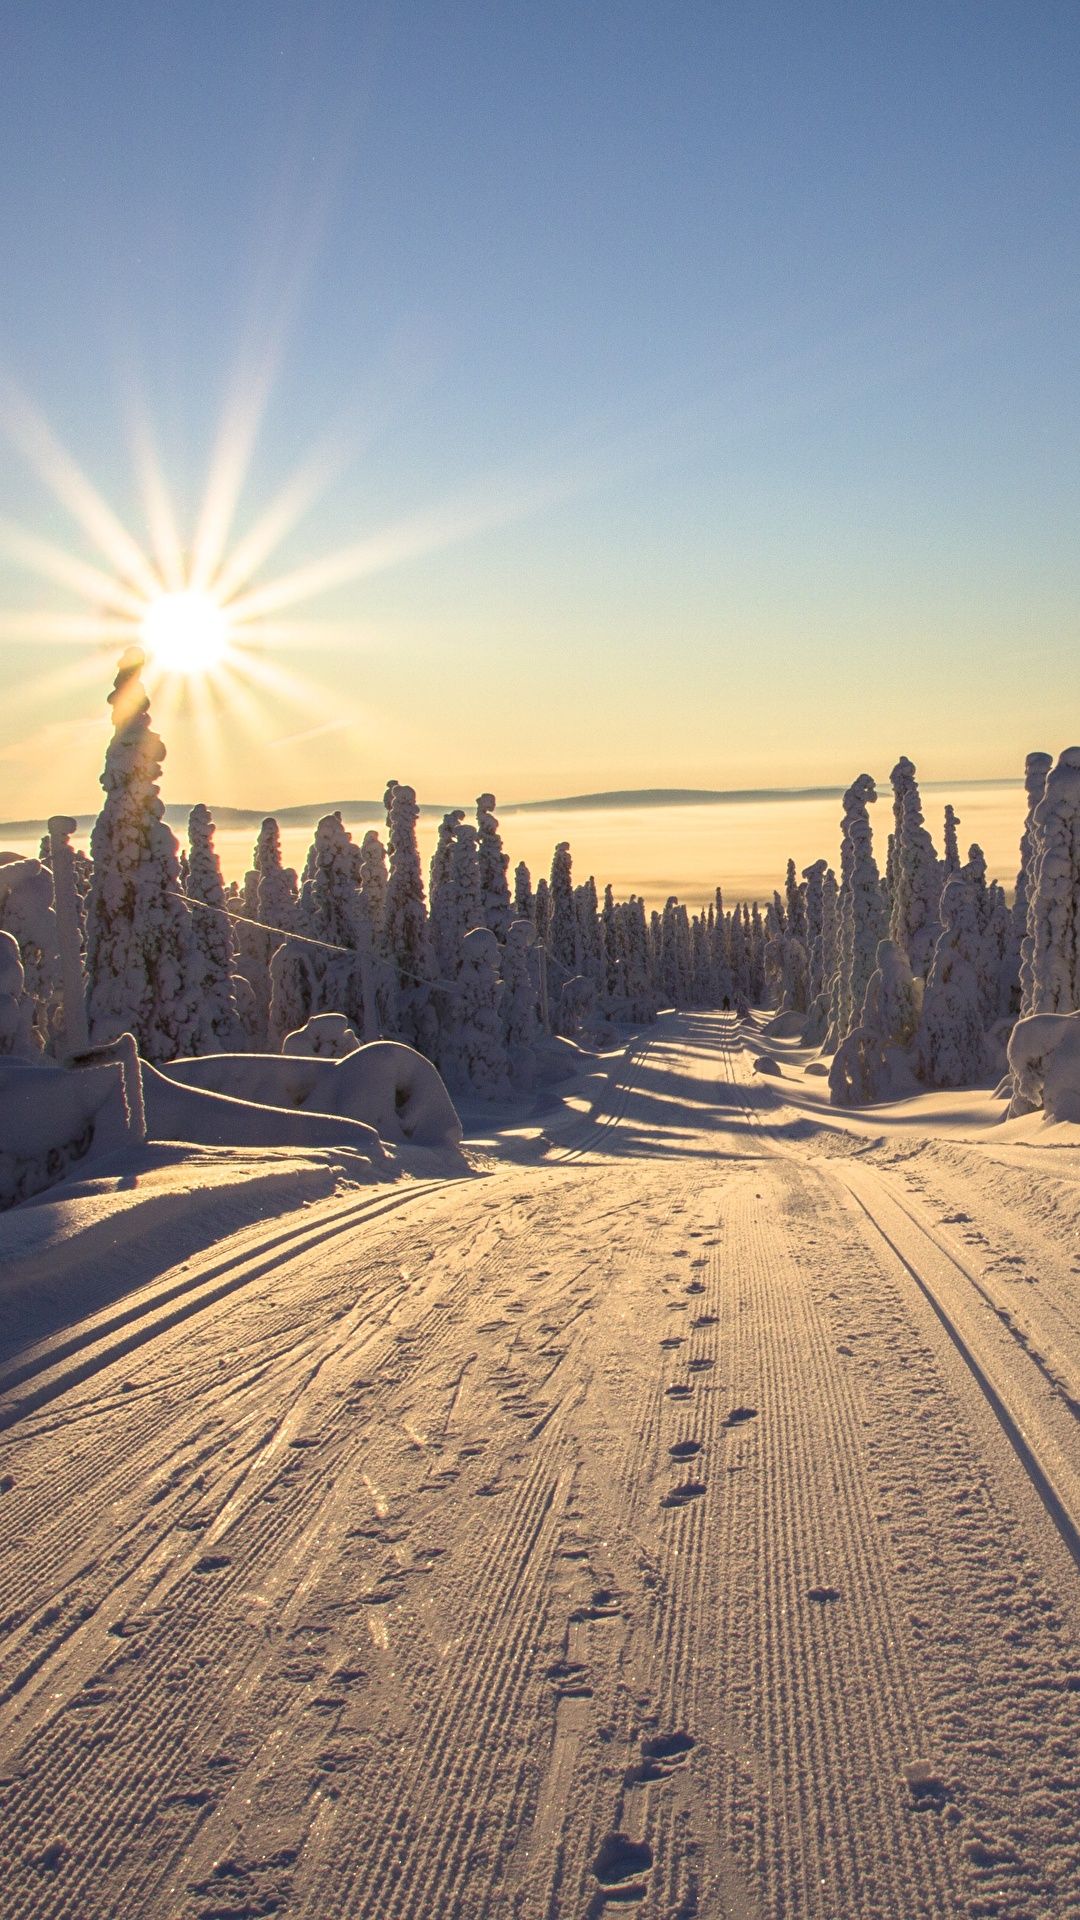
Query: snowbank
{"points": [[386, 1086], [51, 1117], [1044, 1060]]}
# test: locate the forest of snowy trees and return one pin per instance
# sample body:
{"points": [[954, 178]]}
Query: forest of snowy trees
{"points": [[909, 975]]}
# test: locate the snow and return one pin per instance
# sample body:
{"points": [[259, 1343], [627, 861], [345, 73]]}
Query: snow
{"points": [[379, 1085], [1044, 1059], [618, 1506]]}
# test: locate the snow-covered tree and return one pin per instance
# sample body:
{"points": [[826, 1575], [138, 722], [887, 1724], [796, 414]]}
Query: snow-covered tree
{"points": [[495, 911], [916, 873], [473, 1054], [1036, 769], [407, 936], [1051, 955], [951, 862], [518, 1004], [860, 911], [446, 929], [331, 912], [213, 932], [874, 1062], [563, 932], [143, 965], [951, 1043], [524, 897]]}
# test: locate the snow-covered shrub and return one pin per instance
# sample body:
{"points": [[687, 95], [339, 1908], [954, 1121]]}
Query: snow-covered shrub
{"points": [[18, 1039], [326, 1036], [1044, 1060], [874, 1062], [143, 966], [26, 912]]}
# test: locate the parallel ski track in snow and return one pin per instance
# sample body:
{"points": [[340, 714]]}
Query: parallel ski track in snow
{"points": [[1009, 1407]]}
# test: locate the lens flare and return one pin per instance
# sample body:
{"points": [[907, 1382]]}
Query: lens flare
{"points": [[185, 632]]}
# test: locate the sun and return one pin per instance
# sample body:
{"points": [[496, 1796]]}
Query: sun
{"points": [[186, 632]]}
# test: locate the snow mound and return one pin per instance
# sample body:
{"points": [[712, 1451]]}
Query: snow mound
{"points": [[201, 1117], [384, 1085], [763, 1064], [51, 1117], [326, 1036], [1044, 1059]]}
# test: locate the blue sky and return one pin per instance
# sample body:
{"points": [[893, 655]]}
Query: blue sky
{"points": [[741, 340]]}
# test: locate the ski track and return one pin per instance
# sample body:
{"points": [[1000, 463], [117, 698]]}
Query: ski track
{"points": [[645, 1529]]}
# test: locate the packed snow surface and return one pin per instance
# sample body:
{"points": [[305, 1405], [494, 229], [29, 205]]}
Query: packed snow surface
{"points": [[678, 1509]]}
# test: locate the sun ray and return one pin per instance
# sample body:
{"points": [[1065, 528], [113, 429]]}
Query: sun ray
{"points": [[158, 505], [63, 569], [228, 470], [33, 436], [31, 625], [442, 526], [284, 513]]}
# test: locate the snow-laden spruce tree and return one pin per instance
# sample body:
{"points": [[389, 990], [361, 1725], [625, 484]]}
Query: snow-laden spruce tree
{"points": [[473, 1056], [875, 1061], [518, 1005], [467, 901], [374, 883], [331, 912], [916, 873], [1051, 955], [495, 910], [524, 897], [142, 963], [1036, 771], [754, 930], [860, 912], [407, 936], [542, 912], [213, 932], [951, 1042], [276, 889], [563, 930], [589, 941], [951, 862], [442, 894]]}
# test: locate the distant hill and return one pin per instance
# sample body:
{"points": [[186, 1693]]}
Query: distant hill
{"points": [[234, 819]]}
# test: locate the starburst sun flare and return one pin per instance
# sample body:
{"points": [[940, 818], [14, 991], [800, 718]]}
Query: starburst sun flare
{"points": [[186, 632]]}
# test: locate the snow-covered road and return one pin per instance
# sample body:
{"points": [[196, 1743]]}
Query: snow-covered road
{"points": [[688, 1520]]}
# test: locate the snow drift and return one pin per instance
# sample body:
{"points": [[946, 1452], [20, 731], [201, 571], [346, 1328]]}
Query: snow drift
{"points": [[384, 1085]]}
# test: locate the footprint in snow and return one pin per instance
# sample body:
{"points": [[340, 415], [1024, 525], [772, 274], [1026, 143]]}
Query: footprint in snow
{"points": [[212, 1562], [696, 1286], [738, 1414], [823, 1595], [682, 1495], [679, 1391], [701, 1363], [675, 1341], [661, 1753], [684, 1449], [621, 1859]]}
